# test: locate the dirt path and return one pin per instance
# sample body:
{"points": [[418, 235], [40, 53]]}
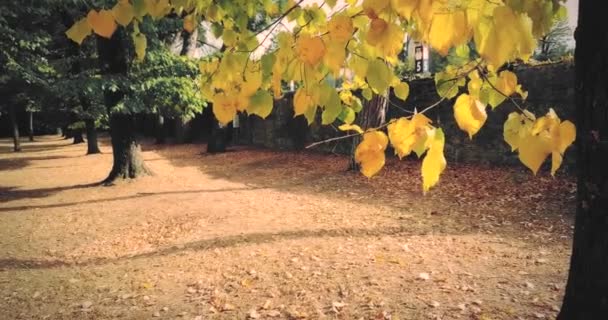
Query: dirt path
{"points": [[259, 234]]}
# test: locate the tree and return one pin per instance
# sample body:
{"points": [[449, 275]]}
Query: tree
{"points": [[23, 47], [364, 40], [587, 289], [554, 45]]}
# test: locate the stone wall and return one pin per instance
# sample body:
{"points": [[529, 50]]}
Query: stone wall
{"points": [[549, 86]]}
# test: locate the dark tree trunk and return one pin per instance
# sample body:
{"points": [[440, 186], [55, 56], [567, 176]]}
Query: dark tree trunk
{"points": [[160, 129], [182, 131], [78, 136], [372, 115], [128, 161], [13, 117], [68, 133], [217, 141], [92, 146], [31, 125], [587, 289]]}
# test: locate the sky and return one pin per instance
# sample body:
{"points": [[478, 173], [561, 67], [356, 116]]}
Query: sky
{"points": [[572, 6]]}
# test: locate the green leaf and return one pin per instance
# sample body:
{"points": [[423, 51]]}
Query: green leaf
{"points": [[268, 61], [347, 115], [367, 94], [379, 76], [333, 107], [261, 104], [402, 90]]}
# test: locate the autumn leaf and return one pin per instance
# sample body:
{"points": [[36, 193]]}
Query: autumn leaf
{"points": [[349, 127], [102, 22], [470, 114], [370, 152], [340, 28], [310, 50], [79, 31], [434, 162], [402, 90], [123, 13]]}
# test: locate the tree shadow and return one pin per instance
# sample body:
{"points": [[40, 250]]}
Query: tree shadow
{"points": [[40, 193], [22, 162], [213, 243], [13, 193]]}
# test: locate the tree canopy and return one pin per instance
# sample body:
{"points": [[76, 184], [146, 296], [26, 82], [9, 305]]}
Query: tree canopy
{"points": [[358, 42]]}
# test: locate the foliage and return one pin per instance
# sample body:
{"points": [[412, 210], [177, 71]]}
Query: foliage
{"points": [[164, 83], [359, 44], [24, 68]]}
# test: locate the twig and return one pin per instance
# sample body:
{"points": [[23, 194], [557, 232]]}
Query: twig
{"points": [[504, 95]]}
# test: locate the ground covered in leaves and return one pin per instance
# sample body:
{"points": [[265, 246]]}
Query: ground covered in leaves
{"points": [[255, 234]]}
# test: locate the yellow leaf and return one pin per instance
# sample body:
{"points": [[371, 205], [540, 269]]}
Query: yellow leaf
{"points": [[190, 23], [402, 90], [348, 127], [448, 29], [123, 13], [386, 37], [373, 8], [102, 22], [79, 31], [507, 83], [340, 28], [567, 135], [405, 135], [157, 8], [434, 162], [404, 7], [534, 149], [512, 128], [224, 108], [470, 114], [140, 42], [508, 35], [370, 152], [303, 100], [334, 59], [562, 136], [310, 50]]}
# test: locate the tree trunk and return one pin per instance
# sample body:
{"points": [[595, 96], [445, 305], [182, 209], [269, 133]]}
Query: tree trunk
{"points": [[160, 129], [13, 117], [92, 146], [78, 136], [128, 161], [372, 115], [31, 125], [587, 288], [217, 141]]}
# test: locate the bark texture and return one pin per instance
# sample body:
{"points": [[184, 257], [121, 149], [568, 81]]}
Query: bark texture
{"points": [[92, 145], [78, 136], [586, 295], [128, 162]]}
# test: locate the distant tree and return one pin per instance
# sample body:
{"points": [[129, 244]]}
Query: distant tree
{"points": [[554, 44], [24, 69]]}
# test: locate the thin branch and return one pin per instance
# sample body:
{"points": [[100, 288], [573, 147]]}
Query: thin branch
{"points": [[392, 120], [504, 95], [285, 14]]}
